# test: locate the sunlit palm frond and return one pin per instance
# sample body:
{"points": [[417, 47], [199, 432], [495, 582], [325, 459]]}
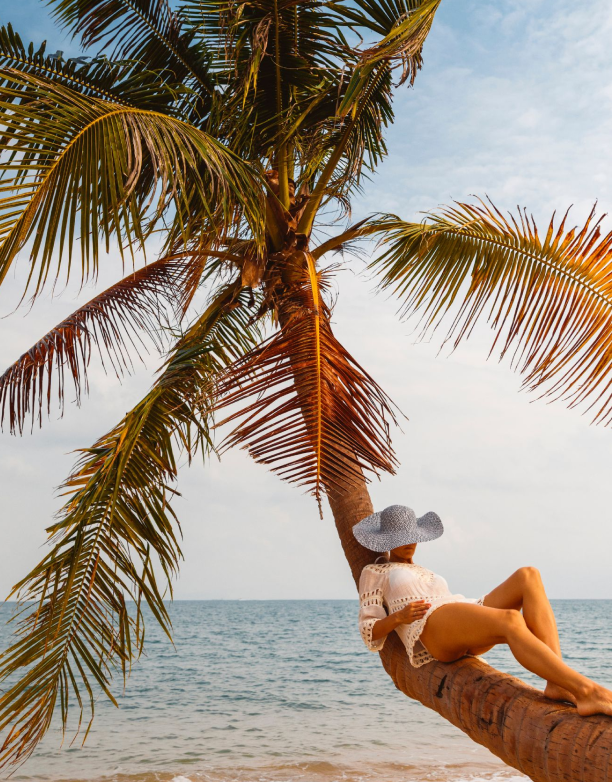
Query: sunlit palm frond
{"points": [[352, 138], [365, 146], [83, 171], [305, 406], [549, 298], [113, 323], [372, 15], [402, 45], [367, 99], [116, 529], [366, 104]]}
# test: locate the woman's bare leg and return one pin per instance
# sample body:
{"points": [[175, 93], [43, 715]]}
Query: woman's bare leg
{"points": [[524, 589], [453, 629]]}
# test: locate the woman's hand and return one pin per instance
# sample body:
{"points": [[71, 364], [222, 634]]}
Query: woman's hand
{"points": [[411, 612], [408, 614]]}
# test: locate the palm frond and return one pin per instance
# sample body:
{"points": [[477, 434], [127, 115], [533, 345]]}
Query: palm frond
{"points": [[374, 15], [353, 142], [549, 299], [305, 406], [125, 83], [403, 45], [115, 525], [271, 58], [112, 323], [365, 106], [365, 145], [146, 31], [85, 170], [367, 227]]}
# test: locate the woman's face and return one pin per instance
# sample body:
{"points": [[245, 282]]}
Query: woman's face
{"points": [[404, 552]]}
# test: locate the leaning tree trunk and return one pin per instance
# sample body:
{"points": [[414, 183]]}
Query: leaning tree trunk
{"points": [[544, 739]]}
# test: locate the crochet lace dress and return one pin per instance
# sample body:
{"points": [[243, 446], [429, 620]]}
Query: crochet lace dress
{"points": [[388, 587]]}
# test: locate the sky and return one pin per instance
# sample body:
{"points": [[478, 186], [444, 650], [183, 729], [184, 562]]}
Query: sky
{"points": [[515, 102]]}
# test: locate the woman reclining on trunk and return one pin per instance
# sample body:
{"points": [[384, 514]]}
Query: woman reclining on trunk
{"points": [[397, 594]]}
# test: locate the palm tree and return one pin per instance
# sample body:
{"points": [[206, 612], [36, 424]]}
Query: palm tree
{"points": [[238, 132]]}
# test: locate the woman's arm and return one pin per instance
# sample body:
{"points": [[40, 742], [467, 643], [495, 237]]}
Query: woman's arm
{"points": [[405, 616]]}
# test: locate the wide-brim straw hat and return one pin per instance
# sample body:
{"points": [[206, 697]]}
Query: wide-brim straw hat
{"points": [[396, 526]]}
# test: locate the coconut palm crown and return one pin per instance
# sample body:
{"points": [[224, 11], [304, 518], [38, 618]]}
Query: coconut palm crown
{"points": [[236, 134]]}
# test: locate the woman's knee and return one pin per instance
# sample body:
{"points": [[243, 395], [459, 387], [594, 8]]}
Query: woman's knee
{"points": [[529, 575], [511, 623], [529, 579]]}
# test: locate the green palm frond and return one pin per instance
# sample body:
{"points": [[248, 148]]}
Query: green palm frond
{"points": [[402, 45], [305, 406], [271, 58], [116, 523], [365, 107], [548, 298], [354, 142], [112, 323], [361, 137], [146, 31], [125, 83], [82, 170], [369, 226]]}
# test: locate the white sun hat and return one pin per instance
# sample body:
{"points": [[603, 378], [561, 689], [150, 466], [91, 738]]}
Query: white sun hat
{"points": [[396, 526]]}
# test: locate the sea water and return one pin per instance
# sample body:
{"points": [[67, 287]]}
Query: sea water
{"points": [[285, 691]]}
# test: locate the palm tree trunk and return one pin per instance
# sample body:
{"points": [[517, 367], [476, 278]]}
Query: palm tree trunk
{"points": [[545, 740]]}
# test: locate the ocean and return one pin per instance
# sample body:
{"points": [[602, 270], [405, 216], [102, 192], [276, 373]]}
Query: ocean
{"points": [[285, 691]]}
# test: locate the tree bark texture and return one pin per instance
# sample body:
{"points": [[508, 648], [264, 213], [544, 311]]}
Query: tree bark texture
{"points": [[543, 739]]}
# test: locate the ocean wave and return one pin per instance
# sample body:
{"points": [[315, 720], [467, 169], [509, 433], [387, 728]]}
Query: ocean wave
{"points": [[321, 771]]}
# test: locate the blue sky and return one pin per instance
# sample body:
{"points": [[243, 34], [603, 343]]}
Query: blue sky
{"points": [[515, 102]]}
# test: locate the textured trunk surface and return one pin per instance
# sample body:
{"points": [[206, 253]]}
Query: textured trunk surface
{"points": [[547, 741]]}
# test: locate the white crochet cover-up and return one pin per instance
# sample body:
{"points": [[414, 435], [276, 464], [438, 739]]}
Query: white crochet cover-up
{"points": [[388, 587]]}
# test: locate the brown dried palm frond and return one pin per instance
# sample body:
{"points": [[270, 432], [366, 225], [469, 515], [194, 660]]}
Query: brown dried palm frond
{"points": [[307, 409], [548, 298], [111, 322]]}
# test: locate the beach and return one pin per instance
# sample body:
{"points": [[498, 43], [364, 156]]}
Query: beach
{"points": [[285, 691]]}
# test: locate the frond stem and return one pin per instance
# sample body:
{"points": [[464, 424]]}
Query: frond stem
{"points": [[354, 232], [50, 72], [281, 153], [314, 284]]}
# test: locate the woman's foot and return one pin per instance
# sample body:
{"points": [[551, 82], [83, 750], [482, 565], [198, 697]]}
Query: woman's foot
{"points": [[557, 693], [595, 700]]}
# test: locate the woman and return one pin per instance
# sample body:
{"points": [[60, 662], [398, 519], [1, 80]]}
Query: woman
{"points": [[397, 594]]}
